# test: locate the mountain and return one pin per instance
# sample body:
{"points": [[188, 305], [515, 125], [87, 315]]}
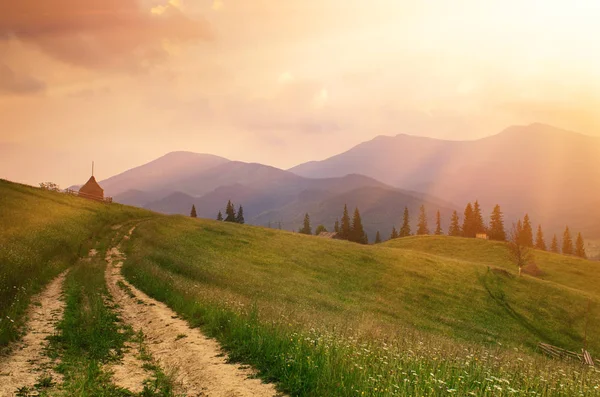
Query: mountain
{"points": [[548, 172], [158, 175], [176, 181]]}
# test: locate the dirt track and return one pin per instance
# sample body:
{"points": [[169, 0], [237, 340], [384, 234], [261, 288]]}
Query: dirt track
{"points": [[198, 363], [27, 361]]}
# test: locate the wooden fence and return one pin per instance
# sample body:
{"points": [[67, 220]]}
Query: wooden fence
{"points": [[557, 352], [72, 192]]}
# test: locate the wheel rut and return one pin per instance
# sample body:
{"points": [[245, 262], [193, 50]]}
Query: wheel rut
{"points": [[197, 362]]}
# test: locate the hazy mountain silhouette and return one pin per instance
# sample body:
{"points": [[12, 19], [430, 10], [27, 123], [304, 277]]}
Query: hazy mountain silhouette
{"points": [[551, 173]]}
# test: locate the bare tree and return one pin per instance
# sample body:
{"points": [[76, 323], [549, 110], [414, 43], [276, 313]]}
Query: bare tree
{"points": [[519, 252]]}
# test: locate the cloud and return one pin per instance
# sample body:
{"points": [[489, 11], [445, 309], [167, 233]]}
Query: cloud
{"points": [[99, 34], [217, 5], [20, 84]]}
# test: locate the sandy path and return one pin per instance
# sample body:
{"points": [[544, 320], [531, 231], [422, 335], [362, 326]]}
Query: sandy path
{"points": [[198, 362], [27, 362]]}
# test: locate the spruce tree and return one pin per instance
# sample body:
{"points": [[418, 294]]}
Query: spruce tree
{"points": [[554, 245], [496, 230], [306, 229], [580, 247], [567, 246], [357, 233], [377, 238], [336, 226], [519, 231], [422, 227], [527, 232], [345, 227], [219, 216], [230, 212], [405, 229], [468, 228], [193, 212], [394, 233], [454, 229], [539, 239], [478, 225], [438, 224], [239, 218]]}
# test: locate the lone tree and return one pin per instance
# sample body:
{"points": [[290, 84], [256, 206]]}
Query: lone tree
{"points": [[405, 229], [219, 216], [527, 232], [377, 238], [454, 229], [422, 227], [567, 246], [320, 229], [468, 228], [357, 233], [519, 253], [230, 212], [539, 239], [345, 226], [496, 230], [394, 233], [438, 224], [554, 245], [193, 212], [580, 247], [306, 229], [239, 218]]}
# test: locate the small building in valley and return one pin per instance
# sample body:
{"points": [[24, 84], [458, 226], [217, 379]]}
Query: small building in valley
{"points": [[482, 236], [332, 235]]}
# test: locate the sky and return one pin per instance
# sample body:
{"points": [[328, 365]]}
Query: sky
{"points": [[122, 82]]}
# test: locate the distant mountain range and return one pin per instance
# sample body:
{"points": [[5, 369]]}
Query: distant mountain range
{"points": [[552, 174]]}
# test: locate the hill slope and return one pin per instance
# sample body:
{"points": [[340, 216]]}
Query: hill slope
{"points": [[538, 169]]}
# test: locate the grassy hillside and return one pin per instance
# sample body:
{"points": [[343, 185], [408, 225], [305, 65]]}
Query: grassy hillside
{"points": [[41, 234], [321, 315], [568, 271]]}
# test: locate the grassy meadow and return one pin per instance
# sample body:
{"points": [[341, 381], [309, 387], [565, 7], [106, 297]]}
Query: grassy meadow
{"points": [[326, 317], [42, 234]]}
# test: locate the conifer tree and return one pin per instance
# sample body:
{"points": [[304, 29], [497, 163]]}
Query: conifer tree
{"points": [[438, 224], [567, 247], [422, 227], [219, 216], [357, 233], [527, 232], [454, 229], [306, 229], [377, 238], [336, 226], [320, 229], [230, 212], [468, 228], [405, 229], [193, 212], [394, 233], [345, 227], [580, 247], [554, 245], [478, 225], [239, 218], [539, 239], [518, 229], [496, 230]]}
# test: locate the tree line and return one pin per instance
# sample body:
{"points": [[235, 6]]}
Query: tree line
{"points": [[351, 230], [472, 225]]}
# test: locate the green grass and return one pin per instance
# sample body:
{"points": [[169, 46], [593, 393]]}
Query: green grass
{"points": [[42, 234], [324, 317]]}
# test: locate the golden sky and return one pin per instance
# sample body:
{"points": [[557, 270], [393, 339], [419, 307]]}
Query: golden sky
{"points": [[280, 82]]}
